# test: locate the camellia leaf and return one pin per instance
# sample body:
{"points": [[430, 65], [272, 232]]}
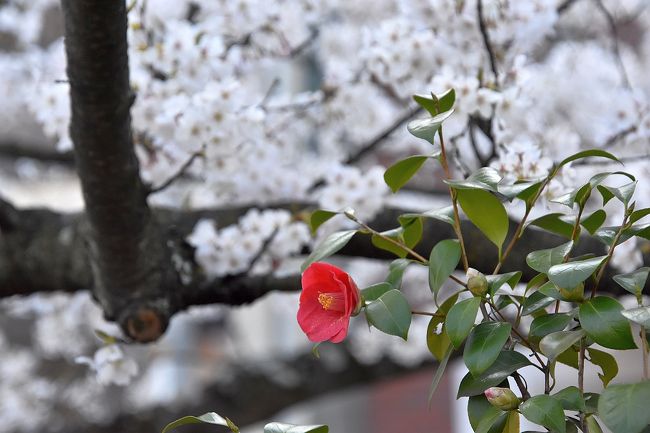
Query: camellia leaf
{"points": [[557, 223], [556, 343], [542, 260], [484, 344], [438, 342], [398, 174], [569, 275], [278, 427], [426, 128], [536, 302], [602, 320], [638, 214], [506, 363], [412, 231], [586, 154], [548, 324], [624, 408], [486, 212], [320, 217], [571, 399], [439, 373], [633, 282], [639, 315], [486, 178], [372, 293], [443, 260], [206, 418], [495, 282], [594, 221], [329, 246], [445, 214], [445, 102], [396, 271], [390, 313], [460, 320], [512, 423], [399, 249], [546, 411], [606, 362], [483, 417]]}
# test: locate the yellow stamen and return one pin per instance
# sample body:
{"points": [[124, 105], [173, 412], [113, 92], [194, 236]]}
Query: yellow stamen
{"points": [[331, 301]]}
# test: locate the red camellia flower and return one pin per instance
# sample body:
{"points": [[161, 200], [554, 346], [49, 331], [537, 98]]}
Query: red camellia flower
{"points": [[329, 297]]}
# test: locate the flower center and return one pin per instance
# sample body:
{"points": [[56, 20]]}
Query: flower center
{"points": [[332, 301]]}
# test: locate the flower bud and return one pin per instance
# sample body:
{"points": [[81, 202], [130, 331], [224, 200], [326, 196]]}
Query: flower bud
{"points": [[478, 285], [502, 398]]}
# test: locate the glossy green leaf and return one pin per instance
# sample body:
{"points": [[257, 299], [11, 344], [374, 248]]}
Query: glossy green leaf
{"points": [[390, 313], [460, 320], [438, 343], [638, 214], [442, 262], [427, 128], [536, 302], [483, 417], [485, 178], [320, 217], [586, 154], [545, 411], [445, 214], [569, 275], [512, 423], [329, 246], [206, 418], [495, 282], [396, 272], [606, 362], [398, 174], [412, 231], [605, 193], [374, 292], [556, 343], [601, 318], [445, 102], [548, 324], [634, 282], [639, 315], [523, 190], [549, 289], [506, 363], [594, 221], [557, 223], [571, 399], [278, 427], [399, 249], [440, 371], [592, 424], [624, 408], [542, 260], [486, 212], [484, 344]]}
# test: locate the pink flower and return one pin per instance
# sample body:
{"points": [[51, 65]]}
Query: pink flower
{"points": [[329, 297]]}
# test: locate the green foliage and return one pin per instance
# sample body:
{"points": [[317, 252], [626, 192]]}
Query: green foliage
{"points": [[443, 260], [277, 427], [390, 313], [329, 246], [206, 418], [484, 344], [624, 408], [601, 318], [486, 212], [568, 314]]}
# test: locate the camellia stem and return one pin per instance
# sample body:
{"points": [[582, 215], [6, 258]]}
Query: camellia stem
{"points": [[454, 203], [581, 378], [644, 349]]}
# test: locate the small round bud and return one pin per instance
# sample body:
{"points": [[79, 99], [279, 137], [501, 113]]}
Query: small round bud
{"points": [[478, 285], [502, 398]]}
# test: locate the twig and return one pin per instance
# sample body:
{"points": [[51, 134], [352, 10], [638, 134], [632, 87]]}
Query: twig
{"points": [[613, 29], [525, 395], [180, 173], [486, 39], [383, 135]]}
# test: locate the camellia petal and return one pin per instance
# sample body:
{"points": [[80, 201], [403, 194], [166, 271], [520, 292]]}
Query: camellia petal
{"points": [[329, 297]]}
